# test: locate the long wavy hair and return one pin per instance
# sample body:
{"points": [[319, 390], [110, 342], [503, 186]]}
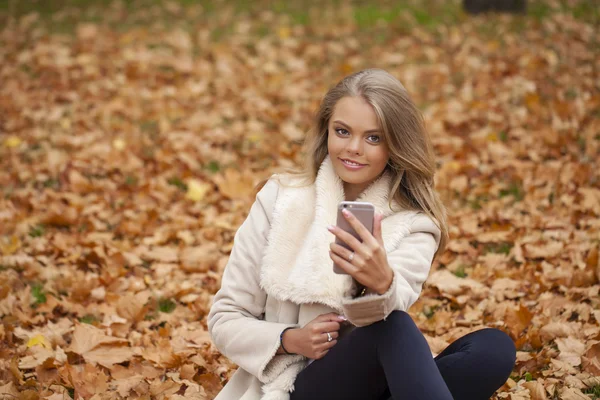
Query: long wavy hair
{"points": [[412, 161]]}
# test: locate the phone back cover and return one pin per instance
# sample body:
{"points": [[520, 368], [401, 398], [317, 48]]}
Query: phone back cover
{"points": [[364, 215]]}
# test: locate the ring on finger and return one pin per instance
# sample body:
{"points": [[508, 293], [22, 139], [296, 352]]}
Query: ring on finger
{"points": [[329, 338], [351, 257]]}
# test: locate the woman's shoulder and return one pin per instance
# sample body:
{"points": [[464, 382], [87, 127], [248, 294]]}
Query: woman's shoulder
{"points": [[418, 221], [421, 222], [272, 185], [269, 189]]}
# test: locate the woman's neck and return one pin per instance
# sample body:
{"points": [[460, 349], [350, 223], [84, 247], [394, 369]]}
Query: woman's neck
{"points": [[353, 190]]}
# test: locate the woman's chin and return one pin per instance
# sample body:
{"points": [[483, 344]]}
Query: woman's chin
{"points": [[352, 178]]}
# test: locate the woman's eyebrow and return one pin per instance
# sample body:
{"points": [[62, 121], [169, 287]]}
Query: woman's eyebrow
{"points": [[348, 127]]}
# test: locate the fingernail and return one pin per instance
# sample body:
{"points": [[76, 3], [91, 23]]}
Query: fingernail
{"points": [[330, 227], [346, 212], [341, 317]]}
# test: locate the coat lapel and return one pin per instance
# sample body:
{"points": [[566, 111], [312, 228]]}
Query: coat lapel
{"points": [[296, 264]]}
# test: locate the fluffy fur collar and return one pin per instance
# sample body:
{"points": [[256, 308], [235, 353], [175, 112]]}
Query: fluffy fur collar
{"points": [[296, 264]]}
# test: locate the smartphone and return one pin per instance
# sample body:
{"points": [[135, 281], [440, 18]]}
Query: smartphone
{"points": [[364, 212]]}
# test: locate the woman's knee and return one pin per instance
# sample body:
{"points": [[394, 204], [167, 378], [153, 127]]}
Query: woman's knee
{"points": [[396, 324], [394, 320], [498, 347]]}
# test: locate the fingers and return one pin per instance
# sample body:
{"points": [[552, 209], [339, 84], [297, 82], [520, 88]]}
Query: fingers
{"points": [[347, 238], [323, 338], [330, 317], [329, 326], [358, 226], [319, 328], [345, 253], [341, 262], [318, 332]]}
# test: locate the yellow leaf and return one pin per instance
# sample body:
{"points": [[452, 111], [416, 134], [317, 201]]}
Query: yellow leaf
{"points": [[11, 246], [284, 32], [196, 190], [65, 123], [12, 141], [454, 166], [346, 68], [39, 340], [119, 144], [532, 100], [493, 45], [255, 137]]}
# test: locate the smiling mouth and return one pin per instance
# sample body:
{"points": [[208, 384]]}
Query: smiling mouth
{"points": [[351, 163]]}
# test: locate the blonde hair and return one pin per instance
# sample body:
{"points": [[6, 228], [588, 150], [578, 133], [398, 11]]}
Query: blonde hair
{"points": [[412, 161]]}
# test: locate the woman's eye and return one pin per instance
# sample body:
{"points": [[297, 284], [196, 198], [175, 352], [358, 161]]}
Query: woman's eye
{"points": [[341, 131], [374, 138]]}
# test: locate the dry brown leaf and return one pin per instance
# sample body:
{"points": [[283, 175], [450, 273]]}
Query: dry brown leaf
{"points": [[234, 184], [87, 380], [58, 396], [36, 356], [107, 355], [210, 383], [517, 319], [570, 350], [546, 250], [163, 254], [200, 258], [572, 394], [9, 389], [448, 283], [162, 389], [86, 337], [560, 329], [161, 354], [124, 386], [132, 306], [591, 359]]}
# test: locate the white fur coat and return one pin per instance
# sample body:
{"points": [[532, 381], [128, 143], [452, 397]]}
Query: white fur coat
{"points": [[279, 275]]}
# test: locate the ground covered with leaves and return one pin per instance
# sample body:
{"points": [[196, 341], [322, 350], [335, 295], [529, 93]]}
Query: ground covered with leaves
{"points": [[132, 135]]}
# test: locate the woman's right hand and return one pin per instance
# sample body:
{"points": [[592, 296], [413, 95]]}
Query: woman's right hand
{"points": [[311, 340]]}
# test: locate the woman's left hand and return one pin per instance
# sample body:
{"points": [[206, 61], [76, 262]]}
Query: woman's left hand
{"points": [[369, 265]]}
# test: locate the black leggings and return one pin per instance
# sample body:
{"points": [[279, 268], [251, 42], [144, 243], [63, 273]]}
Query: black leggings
{"points": [[391, 360]]}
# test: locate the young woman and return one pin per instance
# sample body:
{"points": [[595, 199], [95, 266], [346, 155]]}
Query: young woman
{"points": [[299, 331]]}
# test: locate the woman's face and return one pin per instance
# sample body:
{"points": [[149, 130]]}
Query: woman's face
{"points": [[355, 135]]}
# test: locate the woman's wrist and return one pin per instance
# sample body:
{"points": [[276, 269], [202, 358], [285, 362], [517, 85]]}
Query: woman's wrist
{"points": [[385, 283], [286, 344]]}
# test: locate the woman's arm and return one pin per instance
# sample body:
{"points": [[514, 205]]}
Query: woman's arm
{"points": [[234, 321], [411, 263]]}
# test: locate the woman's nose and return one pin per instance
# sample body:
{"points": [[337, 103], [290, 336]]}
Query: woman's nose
{"points": [[355, 146]]}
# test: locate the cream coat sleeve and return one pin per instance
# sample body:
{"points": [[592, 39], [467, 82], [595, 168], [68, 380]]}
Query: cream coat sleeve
{"points": [[411, 262], [234, 320]]}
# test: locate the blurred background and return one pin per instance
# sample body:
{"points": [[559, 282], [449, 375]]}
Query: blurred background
{"points": [[133, 133]]}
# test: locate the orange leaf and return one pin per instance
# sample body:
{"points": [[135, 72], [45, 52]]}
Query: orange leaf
{"points": [[517, 320]]}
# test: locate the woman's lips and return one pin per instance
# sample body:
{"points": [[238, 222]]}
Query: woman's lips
{"points": [[352, 167]]}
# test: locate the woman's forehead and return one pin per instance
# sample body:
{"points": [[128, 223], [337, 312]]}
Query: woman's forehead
{"points": [[355, 112]]}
